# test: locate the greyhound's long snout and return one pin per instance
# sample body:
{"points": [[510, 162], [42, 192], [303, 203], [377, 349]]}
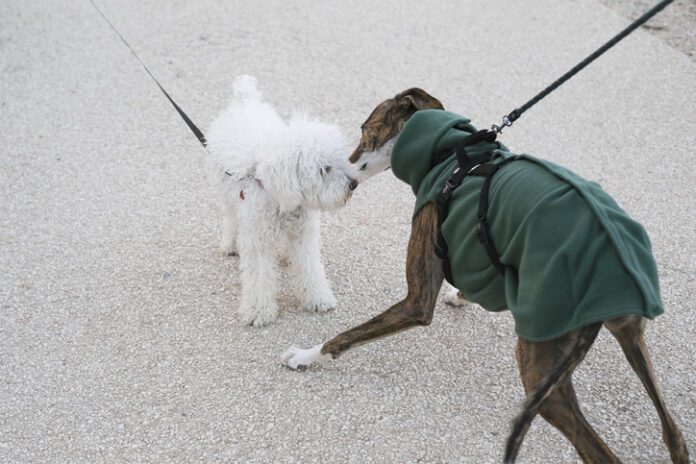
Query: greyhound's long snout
{"points": [[353, 184]]}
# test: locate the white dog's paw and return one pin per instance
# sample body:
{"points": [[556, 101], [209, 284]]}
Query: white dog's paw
{"points": [[228, 251], [453, 297], [321, 305], [228, 247], [298, 358], [259, 317]]}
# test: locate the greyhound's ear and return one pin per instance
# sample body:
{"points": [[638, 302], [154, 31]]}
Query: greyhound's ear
{"points": [[418, 99]]}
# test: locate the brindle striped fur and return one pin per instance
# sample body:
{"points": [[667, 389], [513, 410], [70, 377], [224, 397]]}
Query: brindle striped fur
{"points": [[387, 120], [545, 367], [424, 277]]}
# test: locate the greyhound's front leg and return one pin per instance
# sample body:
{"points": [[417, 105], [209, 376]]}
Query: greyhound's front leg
{"points": [[424, 276]]}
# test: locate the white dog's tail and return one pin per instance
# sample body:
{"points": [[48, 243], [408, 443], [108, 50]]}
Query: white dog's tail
{"points": [[244, 89]]}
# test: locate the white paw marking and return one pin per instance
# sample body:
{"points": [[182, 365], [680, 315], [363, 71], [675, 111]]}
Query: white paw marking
{"points": [[453, 298], [296, 358]]}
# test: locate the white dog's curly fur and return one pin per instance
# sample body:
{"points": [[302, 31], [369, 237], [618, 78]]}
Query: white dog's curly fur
{"points": [[274, 178]]}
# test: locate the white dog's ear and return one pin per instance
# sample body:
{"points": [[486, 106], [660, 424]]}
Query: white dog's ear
{"points": [[280, 177]]}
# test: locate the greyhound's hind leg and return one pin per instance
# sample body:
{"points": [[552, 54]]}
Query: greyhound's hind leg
{"points": [[536, 360], [628, 330]]}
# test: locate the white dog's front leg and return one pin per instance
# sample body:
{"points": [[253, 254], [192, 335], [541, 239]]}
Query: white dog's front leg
{"points": [[311, 285], [296, 358]]}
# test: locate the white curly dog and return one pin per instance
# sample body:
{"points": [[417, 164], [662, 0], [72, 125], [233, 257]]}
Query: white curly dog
{"points": [[274, 178]]}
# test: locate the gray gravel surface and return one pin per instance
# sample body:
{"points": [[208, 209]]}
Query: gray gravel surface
{"points": [[676, 24], [118, 335]]}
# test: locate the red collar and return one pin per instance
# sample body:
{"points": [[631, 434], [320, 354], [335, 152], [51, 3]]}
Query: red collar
{"points": [[258, 182]]}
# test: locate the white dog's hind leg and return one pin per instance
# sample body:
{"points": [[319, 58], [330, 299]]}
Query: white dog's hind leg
{"points": [[228, 243], [310, 282], [259, 271], [259, 276]]}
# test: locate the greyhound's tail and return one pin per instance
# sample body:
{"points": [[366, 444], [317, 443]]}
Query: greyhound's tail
{"points": [[536, 398], [244, 89]]}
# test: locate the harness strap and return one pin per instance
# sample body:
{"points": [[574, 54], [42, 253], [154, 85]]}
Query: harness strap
{"points": [[466, 166], [482, 232], [441, 252], [460, 149]]}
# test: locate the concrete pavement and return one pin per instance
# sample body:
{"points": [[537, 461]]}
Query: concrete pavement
{"points": [[118, 335]]}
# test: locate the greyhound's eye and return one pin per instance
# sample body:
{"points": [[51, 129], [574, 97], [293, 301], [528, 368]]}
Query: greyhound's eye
{"points": [[363, 167]]}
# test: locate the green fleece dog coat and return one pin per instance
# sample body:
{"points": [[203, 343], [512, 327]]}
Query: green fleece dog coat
{"points": [[572, 256]]}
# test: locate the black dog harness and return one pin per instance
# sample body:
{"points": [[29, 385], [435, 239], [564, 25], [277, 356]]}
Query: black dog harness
{"points": [[469, 166]]}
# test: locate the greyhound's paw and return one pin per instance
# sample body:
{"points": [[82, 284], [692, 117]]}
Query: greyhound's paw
{"points": [[454, 297], [298, 359]]}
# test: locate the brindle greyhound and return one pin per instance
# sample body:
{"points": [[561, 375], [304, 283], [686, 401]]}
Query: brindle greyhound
{"points": [[545, 367]]}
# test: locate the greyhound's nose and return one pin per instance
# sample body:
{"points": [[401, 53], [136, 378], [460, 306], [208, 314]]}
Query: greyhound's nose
{"points": [[353, 184]]}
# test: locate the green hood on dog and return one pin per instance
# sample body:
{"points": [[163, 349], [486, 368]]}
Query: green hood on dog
{"points": [[572, 256]]}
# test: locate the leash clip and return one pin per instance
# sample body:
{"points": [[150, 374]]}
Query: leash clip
{"points": [[507, 122]]}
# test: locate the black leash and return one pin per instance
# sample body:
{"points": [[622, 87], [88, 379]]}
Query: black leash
{"points": [[497, 129], [196, 131], [494, 130], [466, 166], [515, 114]]}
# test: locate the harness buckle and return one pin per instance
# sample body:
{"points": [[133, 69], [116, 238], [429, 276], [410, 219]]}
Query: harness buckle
{"points": [[450, 185], [473, 169], [442, 197]]}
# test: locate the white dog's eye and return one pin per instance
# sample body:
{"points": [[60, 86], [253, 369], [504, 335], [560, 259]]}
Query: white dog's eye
{"points": [[325, 170]]}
